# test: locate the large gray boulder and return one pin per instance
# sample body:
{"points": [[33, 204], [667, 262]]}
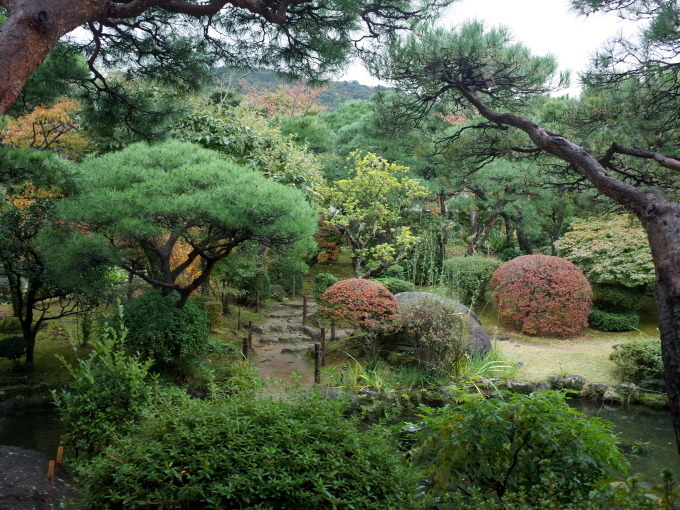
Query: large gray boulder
{"points": [[479, 342]]}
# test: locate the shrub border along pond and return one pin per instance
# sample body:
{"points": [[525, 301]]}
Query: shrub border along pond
{"points": [[375, 405]]}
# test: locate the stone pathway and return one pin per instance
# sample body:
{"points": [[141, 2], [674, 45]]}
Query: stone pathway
{"points": [[281, 345]]}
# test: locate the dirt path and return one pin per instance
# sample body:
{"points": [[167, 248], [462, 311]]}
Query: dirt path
{"points": [[281, 345]]}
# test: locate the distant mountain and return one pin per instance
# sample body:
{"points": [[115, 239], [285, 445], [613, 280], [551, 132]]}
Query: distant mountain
{"points": [[263, 79]]}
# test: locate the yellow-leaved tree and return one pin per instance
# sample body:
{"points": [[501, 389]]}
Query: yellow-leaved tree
{"points": [[367, 208], [52, 128]]}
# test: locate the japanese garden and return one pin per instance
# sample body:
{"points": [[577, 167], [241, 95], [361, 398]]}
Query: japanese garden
{"points": [[229, 280]]}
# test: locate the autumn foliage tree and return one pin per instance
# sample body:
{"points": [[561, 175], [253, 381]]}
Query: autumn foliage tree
{"points": [[542, 295], [52, 128], [294, 100], [359, 303]]}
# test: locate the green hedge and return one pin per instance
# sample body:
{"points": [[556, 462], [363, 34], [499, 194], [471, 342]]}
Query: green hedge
{"points": [[288, 273], [321, 282], [639, 360], [615, 298], [469, 276], [613, 321], [299, 452], [395, 285]]}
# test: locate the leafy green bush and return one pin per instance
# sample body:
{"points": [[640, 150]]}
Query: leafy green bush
{"points": [[395, 285], [495, 447], [469, 277], [155, 323], [612, 250], [244, 452], [639, 360], [12, 347], [395, 271], [509, 254], [613, 321], [321, 282], [615, 298], [10, 326], [109, 391], [288, 273], [212, 307]]}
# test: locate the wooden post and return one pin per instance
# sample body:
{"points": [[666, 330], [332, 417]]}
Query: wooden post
{"points": [[323, 346], [333, 338], [317, 363], [238, 321], [257, 302], [250, 334], [50, 470], [304, 310], [293, 287], [245, 347], [60, 454]]}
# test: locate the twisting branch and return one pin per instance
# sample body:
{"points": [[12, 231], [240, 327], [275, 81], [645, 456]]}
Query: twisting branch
{"points": [[665, 160]]}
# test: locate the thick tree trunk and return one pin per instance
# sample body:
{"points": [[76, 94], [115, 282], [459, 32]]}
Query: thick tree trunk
{"points": [[32, 29]]}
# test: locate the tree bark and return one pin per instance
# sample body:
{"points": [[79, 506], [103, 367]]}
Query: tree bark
{"points": [[660, 219], [32, 29]]}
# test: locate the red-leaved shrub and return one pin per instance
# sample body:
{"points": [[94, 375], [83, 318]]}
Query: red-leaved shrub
{"points": [[359, 303], [542, 295]]}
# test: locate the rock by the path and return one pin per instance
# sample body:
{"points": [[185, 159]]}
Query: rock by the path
{"points": [[478, 339], [24, 484]]}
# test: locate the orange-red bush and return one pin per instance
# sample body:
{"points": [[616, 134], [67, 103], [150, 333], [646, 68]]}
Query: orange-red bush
{"points": [[359, 303], [542, 295]]}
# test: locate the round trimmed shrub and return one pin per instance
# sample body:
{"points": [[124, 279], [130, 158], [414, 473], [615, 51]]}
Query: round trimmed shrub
{"points": [[12, 347], [242, 452], [470, 276], [614, 321], [395, 285], [155, 323], [615, 298], [542, 295], [639, 360], [359, 303]]}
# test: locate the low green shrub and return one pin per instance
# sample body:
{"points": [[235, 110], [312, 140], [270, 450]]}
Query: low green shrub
{"points": [[10, 326], [288, 273], [615, 298], [109, 391], [509, 254], [395, 285], [213, 309], [613, 321], [493, 448], [394, 271], [321, 282], [155, 323], [12, 347], [639, 360], [469, 277], [244, 452]]}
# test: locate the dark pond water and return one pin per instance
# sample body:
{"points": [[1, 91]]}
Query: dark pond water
{"points": [[646, 436], [34, 429]]}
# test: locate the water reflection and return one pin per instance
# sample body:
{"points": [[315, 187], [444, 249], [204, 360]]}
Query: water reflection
{"points": [[646, 436], [34, 429]]}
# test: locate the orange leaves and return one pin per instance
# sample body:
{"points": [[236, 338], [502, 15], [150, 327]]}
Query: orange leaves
{"points": [[54, 128], [287, 100]]}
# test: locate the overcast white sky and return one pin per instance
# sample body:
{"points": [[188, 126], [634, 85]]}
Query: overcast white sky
{"points": [[545, 26]]}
